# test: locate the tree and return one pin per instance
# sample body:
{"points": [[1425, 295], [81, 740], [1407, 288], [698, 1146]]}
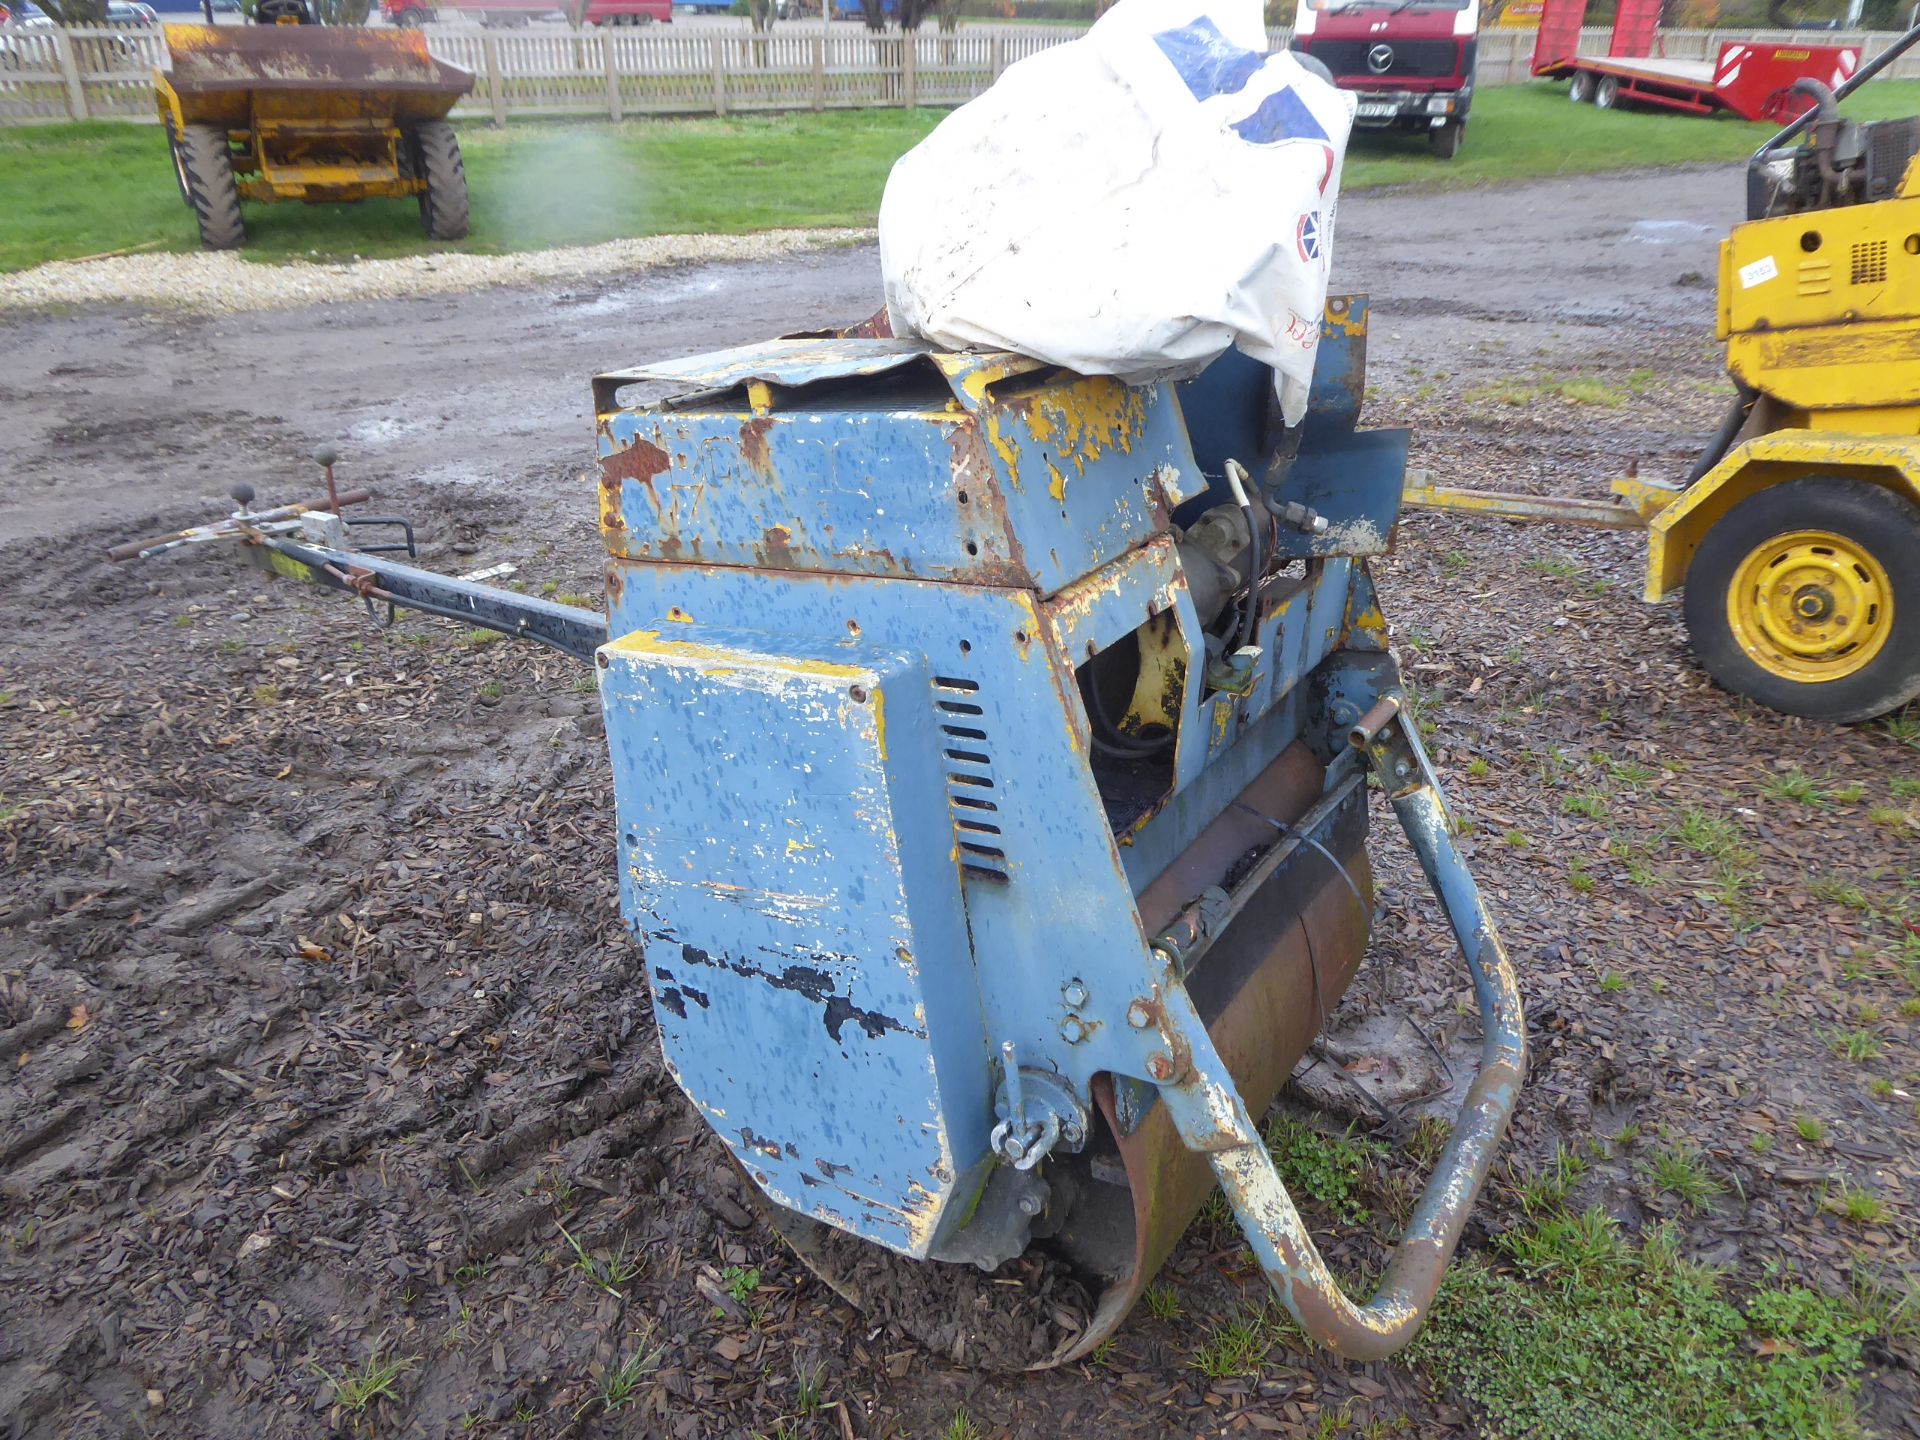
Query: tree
{"points": [[340, 12], [872, 14], [949, 15], [760, 15]]}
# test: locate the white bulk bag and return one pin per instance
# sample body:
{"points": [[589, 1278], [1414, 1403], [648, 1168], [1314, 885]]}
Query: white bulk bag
{"points": [[1130, 203]]}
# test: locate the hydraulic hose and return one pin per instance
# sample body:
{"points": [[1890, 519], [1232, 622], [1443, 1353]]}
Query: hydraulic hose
{"points": [[1743, 402]]}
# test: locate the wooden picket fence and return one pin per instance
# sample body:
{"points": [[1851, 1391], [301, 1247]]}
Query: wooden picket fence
{"points": [[52, 73]]}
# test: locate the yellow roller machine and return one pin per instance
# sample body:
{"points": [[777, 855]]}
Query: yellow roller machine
{"points": [[304, 112], [1797, 536]]}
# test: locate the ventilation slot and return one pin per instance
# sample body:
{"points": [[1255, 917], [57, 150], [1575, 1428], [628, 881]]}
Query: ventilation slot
{"points": [[1816, 277], [970, 783], [1870, 262]]}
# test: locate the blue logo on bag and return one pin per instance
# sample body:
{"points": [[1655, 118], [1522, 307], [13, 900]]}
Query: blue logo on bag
{"points": [[1283, 115], [1210, 63], [1308, 236]]}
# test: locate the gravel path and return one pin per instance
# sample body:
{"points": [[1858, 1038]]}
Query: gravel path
{"points": [[227, 284]]}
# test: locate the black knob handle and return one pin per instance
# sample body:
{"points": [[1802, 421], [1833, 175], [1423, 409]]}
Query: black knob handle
{"points": [[242, 494]]}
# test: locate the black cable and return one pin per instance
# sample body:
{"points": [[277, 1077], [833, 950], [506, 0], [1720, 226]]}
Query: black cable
{"points": [[1115, 742]]}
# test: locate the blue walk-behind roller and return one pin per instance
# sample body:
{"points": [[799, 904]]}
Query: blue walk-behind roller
{"points": [[991, 746]]}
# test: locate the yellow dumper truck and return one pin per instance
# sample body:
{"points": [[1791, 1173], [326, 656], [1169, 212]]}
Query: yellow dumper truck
{"points": [[305, 112]]}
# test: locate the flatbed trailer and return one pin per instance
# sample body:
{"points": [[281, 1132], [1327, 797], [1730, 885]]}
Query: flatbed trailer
{"points": [[1754, 80]]}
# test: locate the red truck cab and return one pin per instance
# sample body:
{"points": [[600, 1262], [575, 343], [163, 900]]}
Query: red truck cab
{"points": [[1409, 62]]}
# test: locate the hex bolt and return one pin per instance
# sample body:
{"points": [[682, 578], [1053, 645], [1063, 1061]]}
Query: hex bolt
{"points": [[1160, 1065], [1402, 769], [1074, 993], [1139, 1015], [1030, 1205]]}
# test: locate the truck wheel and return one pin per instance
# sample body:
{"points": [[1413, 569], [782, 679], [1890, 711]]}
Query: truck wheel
{"points": [[443, 204], [204, 166], [1806, 598], [1580, 87], [1606, 92], [1446, 140]]}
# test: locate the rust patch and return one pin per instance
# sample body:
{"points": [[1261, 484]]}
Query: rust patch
{"points": [[753, 445], [640, 462], [776, 549]]}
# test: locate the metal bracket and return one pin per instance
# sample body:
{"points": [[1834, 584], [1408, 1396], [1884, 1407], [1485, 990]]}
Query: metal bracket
{"points": [[1037, 1110]]}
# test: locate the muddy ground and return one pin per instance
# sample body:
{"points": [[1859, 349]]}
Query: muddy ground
{"points": [[321, 1038]]}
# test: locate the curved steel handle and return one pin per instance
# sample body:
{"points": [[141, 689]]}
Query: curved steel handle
{"points": [[1211, 1117]]}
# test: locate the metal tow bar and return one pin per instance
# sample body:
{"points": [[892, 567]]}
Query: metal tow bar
{"points": [[1211, 1117]]}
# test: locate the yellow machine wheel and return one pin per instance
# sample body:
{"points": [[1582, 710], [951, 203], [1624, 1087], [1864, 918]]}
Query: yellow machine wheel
{"points": [[203, 164], [1806, 598]]}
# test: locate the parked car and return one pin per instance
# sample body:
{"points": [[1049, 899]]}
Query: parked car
{"points": [[131, 13]]}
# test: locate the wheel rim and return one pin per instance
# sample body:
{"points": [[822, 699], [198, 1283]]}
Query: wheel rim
{"points": [[1810, 606]]}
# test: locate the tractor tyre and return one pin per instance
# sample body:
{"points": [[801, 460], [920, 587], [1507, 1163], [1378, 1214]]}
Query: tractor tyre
{"points": [[1806, 598], [203, 164], [1580, 87], [436, 158], [1446, 140], [1606, 92]]}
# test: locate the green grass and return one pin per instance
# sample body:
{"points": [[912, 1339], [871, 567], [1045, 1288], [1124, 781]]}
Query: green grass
{"points": [[82, 189], [354, 1390], [620, 1384], [1331, 1171], [1578, 1334], [1678, 1171], [71, 190], [1235, 1346]]}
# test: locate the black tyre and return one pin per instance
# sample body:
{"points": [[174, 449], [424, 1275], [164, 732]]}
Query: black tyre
{"points": [[204, 166], [1446, 140], [1606, 93], [412, 19], [1806, 598], [1580, 87], [436, 158]]}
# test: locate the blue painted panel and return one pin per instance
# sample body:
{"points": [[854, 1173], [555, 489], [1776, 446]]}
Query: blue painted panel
{"points": [[865, 493], [964, 467], [1064, 904], [1353, 478], [786, 866]]}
